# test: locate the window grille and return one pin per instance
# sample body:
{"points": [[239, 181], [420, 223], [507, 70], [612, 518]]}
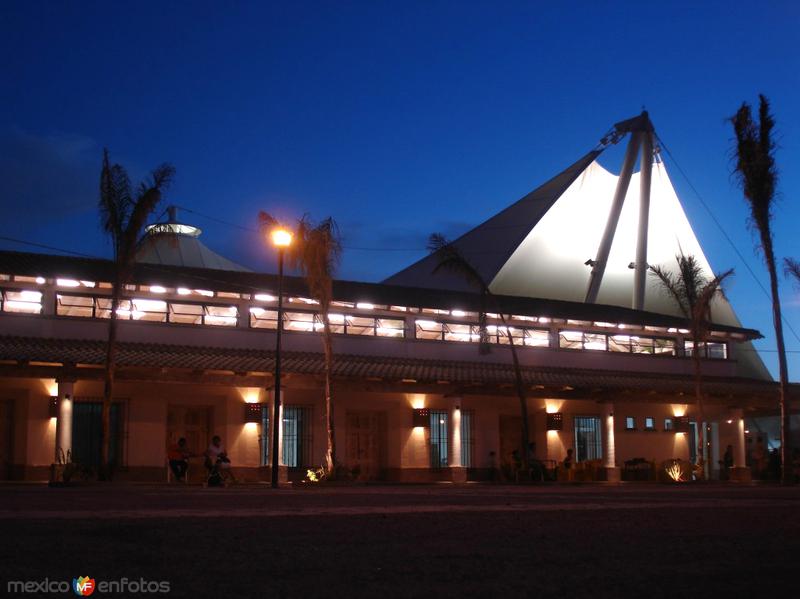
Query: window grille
{"points": [[438, 439], [588, 440]]}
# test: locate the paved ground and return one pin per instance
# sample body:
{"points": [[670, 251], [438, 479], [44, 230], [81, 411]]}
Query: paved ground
{"points": [[392, 541]]}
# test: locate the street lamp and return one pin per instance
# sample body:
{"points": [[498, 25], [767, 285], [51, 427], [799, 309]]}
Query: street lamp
{"points": [[281, 239]]}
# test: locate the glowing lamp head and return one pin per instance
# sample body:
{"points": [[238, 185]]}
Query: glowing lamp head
{"points": [[281, 238]]}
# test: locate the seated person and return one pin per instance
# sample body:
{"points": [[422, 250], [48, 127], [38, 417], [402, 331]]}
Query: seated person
{"points": [[178, 456], [568, 461], [217, 462]]}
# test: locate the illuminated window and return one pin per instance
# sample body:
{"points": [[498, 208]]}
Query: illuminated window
{"points": [[103, 308], [261, 318], [388, 327], [460, 332], [336, 322], [630, 423], [517, 335], [570, 340], [22, 301], [298, 321], [649, 423], [710, 349], [581, 340], [668, 425], [359, 325], [186, 313], [75, 305], [221, 316], [149, 310], [428, 329], [537, 338]]}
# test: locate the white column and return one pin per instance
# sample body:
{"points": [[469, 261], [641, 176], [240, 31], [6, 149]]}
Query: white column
{"points": [[640, 272], [458, 473], [455, 433], [599, 266], [739, 445], [611, 450], [280, 426], [64, 421]]}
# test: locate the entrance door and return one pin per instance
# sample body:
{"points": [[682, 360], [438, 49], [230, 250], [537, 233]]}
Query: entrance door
{"points": [[366, 443], [190, 422], [6, 438], [87, 433]]}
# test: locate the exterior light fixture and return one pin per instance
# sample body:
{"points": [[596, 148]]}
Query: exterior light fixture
{"points": [[252, 412], [53, 406], [421, 418], [682, 424], [281, 238], [555, 421]]}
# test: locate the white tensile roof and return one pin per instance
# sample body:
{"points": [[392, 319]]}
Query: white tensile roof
{"points": [[538, 247], [176, 244]]}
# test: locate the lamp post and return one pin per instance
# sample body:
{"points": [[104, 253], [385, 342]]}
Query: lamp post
{"points": [[281, 239]]}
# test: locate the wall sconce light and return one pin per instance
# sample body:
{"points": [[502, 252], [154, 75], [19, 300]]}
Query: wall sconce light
{"points": [[682, 424], [422, 417], [53, 407], [555, 421], [252, 412]]}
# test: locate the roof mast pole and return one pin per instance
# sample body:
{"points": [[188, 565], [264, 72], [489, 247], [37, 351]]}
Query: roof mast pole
{"points": [[640, 266], [599, 264]]}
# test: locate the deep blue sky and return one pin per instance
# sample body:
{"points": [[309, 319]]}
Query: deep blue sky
{"points": [[398, 119]]}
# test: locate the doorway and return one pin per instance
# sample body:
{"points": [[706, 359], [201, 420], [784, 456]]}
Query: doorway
{"points": [[191, 423], [87, 433], [366, 443]]}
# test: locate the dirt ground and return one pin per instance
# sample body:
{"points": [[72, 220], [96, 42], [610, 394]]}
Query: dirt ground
{"points": [[409, 541]]}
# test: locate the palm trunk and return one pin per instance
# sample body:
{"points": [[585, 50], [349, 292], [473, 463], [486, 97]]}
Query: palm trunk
{"points": [[698, 392], [523, 401], [108, 388], [327, 342], [786, 454]]}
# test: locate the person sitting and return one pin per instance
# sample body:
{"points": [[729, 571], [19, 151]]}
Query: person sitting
{"points": [[568, 460], [178, 456], [217, 463]]}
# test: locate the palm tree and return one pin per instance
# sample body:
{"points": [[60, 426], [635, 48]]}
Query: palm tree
{"points": [[123, 214], [692, 293], [792, 267], [315, 252], [758, 176], [450, 258]]}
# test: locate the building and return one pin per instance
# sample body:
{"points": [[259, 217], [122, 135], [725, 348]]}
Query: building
{"points": [[605, 356]]}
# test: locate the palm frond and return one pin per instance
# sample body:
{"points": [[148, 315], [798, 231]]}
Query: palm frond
{"points": [[691, 291], [266, 221], [671, 285], [755, 167], [115, 201], [450, 258], [701, 317], [792, 267], [147, 199]]}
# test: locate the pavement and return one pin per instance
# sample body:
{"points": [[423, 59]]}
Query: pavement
{"points": [[408, 541]]}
